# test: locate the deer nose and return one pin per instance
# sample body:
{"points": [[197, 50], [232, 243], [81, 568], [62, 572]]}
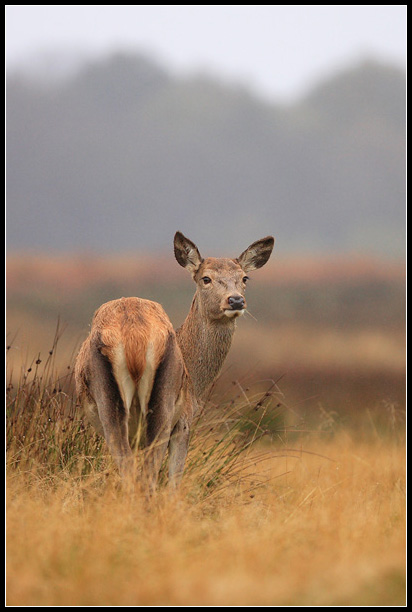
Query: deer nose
{"points": [[237, 302]]}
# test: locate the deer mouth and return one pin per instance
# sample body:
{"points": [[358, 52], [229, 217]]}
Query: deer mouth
{"points": [[234, 312]]}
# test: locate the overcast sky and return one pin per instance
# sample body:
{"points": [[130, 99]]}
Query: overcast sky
{"points": [[278, 50]]}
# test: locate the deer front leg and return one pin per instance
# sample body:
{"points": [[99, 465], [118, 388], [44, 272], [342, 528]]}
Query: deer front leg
{"points": [[178, 446]]}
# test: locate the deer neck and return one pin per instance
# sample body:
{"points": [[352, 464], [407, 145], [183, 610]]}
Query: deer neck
{"points": [[204, 344]]}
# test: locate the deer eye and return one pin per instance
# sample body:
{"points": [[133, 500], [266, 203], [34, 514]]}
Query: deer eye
{"points": [[245, 279], [206, 280]]}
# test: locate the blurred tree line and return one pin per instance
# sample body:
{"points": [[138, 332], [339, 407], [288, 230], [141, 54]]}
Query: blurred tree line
{"points": [[122, 154]]}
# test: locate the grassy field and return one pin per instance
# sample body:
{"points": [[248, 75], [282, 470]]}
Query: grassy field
{"points": [[318, 532], [294, 489], [270, 512]]}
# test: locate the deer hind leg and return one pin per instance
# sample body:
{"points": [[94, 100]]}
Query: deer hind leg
{"points": [[92, 414], [161, 410], [112, 412]]}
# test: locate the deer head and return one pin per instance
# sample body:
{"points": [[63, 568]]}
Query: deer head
{"points": [[221, 282]]}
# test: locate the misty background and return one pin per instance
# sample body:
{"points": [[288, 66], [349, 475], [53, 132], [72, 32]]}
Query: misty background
{"points": [[228, 123], [117, 149]]}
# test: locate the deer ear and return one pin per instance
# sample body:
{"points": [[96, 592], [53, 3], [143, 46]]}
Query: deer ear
{"points": [[187, 253], [257, 254]]}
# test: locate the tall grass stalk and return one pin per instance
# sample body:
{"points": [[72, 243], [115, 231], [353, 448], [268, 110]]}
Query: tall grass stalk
{"points": [[45, 432]]}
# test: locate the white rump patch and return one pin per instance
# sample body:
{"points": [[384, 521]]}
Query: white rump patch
{"points": [[125, 382], [146, 382]]}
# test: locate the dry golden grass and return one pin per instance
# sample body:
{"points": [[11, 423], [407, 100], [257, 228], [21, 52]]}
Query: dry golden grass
{"points": [[316, 532], [305, 519]]}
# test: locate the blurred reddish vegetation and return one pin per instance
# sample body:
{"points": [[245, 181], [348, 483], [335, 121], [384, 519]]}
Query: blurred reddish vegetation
{"points": [[333, 328], [78, 271]]}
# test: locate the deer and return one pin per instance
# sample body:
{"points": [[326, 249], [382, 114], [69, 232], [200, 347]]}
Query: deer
{"points": [[134, 367]]}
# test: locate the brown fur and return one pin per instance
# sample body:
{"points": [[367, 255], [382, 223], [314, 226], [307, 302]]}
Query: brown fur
{"points": [[130, 322], [206, 335], [134, 323], [133, 360]]}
